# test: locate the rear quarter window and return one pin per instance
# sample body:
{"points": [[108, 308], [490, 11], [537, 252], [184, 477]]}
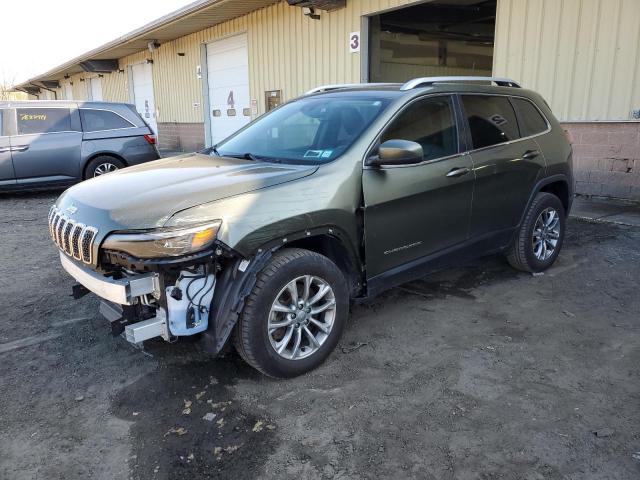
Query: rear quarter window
{"points": [[492, 120], [43, 120], [530, 119], [96, 120]]}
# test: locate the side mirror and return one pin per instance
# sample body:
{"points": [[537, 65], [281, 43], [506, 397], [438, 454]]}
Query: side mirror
{"points": [[397, 152]]}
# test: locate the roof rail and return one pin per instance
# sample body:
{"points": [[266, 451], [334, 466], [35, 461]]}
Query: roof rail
{"points": [[429, 81], [337, 86]]}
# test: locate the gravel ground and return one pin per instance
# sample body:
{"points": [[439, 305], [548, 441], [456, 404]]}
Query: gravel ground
{"points": [[474, 373]]}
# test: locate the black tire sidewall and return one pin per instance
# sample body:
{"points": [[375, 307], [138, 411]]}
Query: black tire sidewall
{"points": [[257, 335], [90, 169], [546, 201]]}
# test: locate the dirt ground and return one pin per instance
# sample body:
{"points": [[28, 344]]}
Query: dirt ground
{"points": [[474, 373]]}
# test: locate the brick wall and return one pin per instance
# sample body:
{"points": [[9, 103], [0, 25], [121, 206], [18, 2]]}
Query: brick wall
{"points": [[184, 137], [606, 158]]}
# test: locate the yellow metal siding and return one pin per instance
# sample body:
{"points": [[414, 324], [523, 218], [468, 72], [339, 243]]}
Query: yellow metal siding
{"points": [[114, 87], [287, 51], [581, 55]]}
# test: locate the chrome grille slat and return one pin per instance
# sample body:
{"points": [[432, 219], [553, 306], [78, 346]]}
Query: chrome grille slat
{"points": [[74, 239]]}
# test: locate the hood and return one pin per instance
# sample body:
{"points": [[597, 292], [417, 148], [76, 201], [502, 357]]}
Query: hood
{"points": [[147, 195]]}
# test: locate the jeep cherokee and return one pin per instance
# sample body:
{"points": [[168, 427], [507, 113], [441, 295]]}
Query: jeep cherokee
{"points": [[342, 193]]}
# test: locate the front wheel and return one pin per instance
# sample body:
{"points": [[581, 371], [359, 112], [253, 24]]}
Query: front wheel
{"points": [[295, 315], [539, 238]]}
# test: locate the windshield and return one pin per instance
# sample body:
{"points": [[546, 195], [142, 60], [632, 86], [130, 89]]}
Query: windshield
{"points": [[310, 130]]}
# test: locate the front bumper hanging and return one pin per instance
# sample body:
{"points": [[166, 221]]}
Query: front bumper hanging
{"points": [[121, 291]]}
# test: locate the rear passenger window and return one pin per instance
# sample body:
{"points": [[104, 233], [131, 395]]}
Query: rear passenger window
{"points": [[95, 120], [43, 120], [492, 120], [2, 115], [429, 122], [529, 118]]}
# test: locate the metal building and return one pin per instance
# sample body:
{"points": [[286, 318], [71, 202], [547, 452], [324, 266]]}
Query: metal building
{"points": [[207, 69]]}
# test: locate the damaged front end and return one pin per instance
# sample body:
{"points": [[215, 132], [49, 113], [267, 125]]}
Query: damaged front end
{"points": [[168, 282]]}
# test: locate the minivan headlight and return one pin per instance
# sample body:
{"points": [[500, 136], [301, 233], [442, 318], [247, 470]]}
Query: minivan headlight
{"points": [[164, 242]]}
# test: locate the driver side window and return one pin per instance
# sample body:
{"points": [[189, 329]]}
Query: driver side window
{"points": [[429, 122]]}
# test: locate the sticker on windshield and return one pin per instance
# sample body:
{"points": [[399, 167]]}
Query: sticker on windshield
{"points": [[313, 153], [326, 153]]}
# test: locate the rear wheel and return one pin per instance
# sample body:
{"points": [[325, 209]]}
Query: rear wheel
{"points": [[295, 315], [539, 239], [102, 165]]}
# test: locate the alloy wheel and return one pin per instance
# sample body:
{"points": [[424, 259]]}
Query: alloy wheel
{"points": [[546, 234], [301, 317], [104, 168]]}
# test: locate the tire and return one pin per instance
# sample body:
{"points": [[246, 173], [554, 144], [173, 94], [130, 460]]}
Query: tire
{"points": [[530, 254], [257, 344], [103, 164]]}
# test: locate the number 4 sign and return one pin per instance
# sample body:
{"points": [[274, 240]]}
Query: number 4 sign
{"points": [[354, 42]]}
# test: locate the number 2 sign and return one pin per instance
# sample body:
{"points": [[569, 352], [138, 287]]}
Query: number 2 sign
{"points": [[354, 42]]}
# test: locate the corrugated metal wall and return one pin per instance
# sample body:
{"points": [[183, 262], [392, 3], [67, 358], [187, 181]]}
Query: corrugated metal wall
{"points": [[287, 51], [581, 55]]}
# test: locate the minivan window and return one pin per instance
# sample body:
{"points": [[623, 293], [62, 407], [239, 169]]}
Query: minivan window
{"points": [[530, 119], [2, 114], [492, 120], [429, 122], [95, 120], [43, 120], [310, 130]]}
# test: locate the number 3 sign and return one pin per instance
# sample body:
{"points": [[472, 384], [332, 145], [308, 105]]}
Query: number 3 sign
{"points": [[354, 42]]}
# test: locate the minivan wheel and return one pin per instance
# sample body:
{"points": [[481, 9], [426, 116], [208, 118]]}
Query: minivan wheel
{"points": [[295, 315], [539, 239], [102, 165]]}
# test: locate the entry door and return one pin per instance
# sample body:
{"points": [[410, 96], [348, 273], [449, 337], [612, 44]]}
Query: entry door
{"points": [[228, 77], [417, 210], [143, 98], [7, 175], [95, 89]]}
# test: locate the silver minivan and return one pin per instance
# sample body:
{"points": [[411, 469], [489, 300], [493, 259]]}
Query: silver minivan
{"points": [[57, 143]]}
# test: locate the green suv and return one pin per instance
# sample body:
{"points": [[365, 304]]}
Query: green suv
{"points": [[349, 190]]}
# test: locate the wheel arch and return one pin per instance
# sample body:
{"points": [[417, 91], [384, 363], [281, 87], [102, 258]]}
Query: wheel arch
{"points": [[336, 250], [559, 188], [557, 185], [95, 155]]}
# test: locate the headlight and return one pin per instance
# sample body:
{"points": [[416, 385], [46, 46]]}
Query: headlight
{"points": [[164, 242]]}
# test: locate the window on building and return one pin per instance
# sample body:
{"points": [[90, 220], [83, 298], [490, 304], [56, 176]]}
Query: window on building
{"points": [[492, 120], [95, 120], [43, 120], [431, 123], [530, 119]]}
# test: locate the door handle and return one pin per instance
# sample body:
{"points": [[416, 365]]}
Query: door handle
{"points": [[5, 149], [458, 172], [529, 154], [20, 148]]}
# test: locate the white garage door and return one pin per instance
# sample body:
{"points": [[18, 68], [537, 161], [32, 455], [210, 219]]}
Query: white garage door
{"points": [[143, 93], [95, 89], [228, 77]]}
